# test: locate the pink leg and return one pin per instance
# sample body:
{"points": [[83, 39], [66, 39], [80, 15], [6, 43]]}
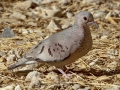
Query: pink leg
{"points": [[66, 75]]}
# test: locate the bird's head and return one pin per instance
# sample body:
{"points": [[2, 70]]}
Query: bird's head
{"points": [[85, 18]]}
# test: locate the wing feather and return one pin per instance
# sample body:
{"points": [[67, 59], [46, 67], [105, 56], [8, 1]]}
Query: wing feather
{"points": [[48, 52]]}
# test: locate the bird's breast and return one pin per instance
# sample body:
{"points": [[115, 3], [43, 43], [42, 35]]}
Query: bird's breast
{"points": [[84, 47]]}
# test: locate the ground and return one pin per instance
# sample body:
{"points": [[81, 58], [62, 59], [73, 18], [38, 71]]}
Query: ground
{"points": [[32, 21]]}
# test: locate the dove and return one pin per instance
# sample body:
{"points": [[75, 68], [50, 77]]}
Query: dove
{"points": [[64, 47]]}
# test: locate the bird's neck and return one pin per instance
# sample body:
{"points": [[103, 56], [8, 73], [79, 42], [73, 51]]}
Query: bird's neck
{"points": [[78, 29], [77, 32]]}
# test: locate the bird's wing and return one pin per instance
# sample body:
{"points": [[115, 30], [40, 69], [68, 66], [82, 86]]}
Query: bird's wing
{"points": [[49, 51]]}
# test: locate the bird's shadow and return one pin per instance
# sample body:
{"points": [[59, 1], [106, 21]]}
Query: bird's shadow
{"points": [[85, 72]]}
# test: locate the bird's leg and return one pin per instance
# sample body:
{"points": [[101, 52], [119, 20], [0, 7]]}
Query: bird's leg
{"points": [[66, 75]]}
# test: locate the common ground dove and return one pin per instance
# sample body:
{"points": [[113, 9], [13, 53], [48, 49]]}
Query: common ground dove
{"points": [[64, 47]]}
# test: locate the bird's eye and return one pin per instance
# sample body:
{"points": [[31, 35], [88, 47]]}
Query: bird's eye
{"points": [[85, 18]]}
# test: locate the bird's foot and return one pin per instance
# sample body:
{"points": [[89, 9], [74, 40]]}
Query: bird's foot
{"points": [[66, 75]]}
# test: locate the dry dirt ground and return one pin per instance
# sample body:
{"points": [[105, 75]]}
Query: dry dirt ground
{"points": [[35, 20]]}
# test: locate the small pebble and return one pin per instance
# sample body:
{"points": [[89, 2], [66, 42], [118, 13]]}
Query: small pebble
{"points": [[107, 33], [11, 58], [76, 86], [116, 87], [65, 24], [8, 33], [32, 24], [34, 83], [36, 1], [99, 14], [10, 52], [34, 78], [112, 52], [21, 42], [24, 31], [31, 75], [104, 38], [53, 26], [1, 8], [69, 15], [113, 65], [2, 53], [7, 88], [30, 14], [92, 1], [103, 78], [18, 15], [47, 1], [18, 87], [53, 76], [31, 31], [64, 2], [24, 5], [3, 67]]}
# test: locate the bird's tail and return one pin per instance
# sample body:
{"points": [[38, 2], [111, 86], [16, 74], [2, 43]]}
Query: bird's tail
{"points": [[19, 63]]}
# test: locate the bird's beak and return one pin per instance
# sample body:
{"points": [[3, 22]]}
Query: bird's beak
{"points": [[93, 23]]}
